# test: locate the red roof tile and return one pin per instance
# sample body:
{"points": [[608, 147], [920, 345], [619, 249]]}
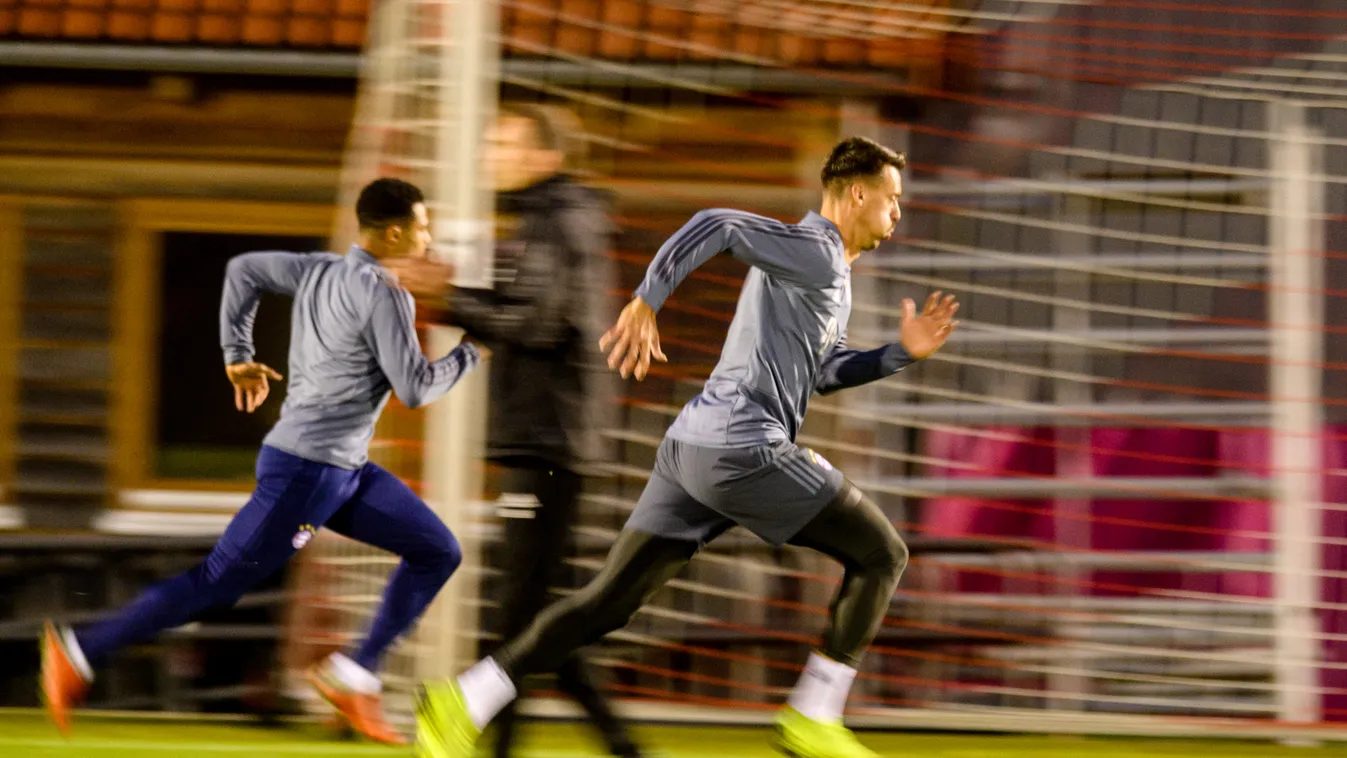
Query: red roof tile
{"points": [[649, 30]]}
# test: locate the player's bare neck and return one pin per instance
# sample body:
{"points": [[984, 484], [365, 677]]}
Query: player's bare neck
{"points": [[374, 247], [834, 209]]}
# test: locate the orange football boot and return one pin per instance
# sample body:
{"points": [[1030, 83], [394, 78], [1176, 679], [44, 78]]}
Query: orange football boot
{"points": [[63, 686], [363, 711]]}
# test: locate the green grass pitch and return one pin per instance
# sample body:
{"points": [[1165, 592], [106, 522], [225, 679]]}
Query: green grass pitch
{"points": [[26, 734]]}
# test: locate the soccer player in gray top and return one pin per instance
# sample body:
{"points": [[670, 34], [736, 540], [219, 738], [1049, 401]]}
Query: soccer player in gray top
{"points": [[353, 339], [730, 457]]}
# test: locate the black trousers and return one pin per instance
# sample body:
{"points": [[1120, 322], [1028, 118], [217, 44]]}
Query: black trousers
{"points": [[537, 549], [852, 529]]}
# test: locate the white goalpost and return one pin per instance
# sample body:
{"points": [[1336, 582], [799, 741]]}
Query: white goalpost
{"points": [[427, 89]]}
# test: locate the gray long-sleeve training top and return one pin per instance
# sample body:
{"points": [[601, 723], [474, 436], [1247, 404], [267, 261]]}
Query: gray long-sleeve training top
{"points": [[788, 336], [352, 340]]}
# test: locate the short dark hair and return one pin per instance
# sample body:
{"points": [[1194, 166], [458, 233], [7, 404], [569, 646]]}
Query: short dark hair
{"points": [[855, 158], [554, 128], [384, 202]]}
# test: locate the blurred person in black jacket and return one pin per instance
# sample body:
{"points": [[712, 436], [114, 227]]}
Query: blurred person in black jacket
{"points": [[541, 324]]}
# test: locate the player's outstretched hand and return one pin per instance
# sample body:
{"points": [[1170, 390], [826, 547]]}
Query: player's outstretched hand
{"points": [[252, 383], [924, 334], [634, 341]]}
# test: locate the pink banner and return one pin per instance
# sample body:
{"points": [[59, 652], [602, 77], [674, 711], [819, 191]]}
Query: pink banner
{"points": [[1162, 524]]}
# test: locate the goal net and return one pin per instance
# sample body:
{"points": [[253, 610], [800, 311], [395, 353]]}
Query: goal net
{"points": [[1121, 482]]}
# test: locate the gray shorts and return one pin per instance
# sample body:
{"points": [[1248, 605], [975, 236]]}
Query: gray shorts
{"points": [[696, 493]]}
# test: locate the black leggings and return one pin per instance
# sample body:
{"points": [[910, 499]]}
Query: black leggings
{"points": [[538, 548], [852, 529]]}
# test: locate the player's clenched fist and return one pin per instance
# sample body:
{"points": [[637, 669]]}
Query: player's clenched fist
{"points": [[425, 279], [634, 341]]}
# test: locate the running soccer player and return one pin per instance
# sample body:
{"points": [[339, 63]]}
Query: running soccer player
{"points": [[353, 339], [730, 456]]}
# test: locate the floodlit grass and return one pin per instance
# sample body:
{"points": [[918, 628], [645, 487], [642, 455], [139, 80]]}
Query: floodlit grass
{"points": [[27, 735]]}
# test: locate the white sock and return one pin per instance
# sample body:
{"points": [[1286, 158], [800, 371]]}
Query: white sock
{"points": [[353, 675], [486, 690], [76, 654], [821, 693]]}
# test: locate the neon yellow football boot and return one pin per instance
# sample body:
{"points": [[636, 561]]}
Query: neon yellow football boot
{"points": [[802, 737], [443, 727]]}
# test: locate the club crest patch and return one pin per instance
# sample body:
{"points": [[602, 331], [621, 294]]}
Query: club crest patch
{"points": [[302, 537]]}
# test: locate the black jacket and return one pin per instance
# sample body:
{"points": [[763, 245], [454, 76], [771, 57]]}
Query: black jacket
{"points": [[551, 395]]}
